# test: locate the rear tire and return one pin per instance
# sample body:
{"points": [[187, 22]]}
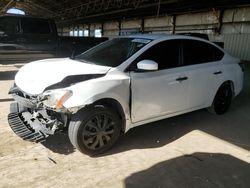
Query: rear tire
{"points": [[94, 130], [222, 100]]}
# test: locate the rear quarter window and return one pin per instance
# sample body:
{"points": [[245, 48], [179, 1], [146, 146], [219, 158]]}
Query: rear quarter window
{"points": [[197, 52]]}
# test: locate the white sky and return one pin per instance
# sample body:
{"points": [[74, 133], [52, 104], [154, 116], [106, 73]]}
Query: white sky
{"points": [[15, 11]]}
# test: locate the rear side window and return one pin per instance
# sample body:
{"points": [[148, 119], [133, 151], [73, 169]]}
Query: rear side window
{"points": [[166, 54], [196, 52], [35, 26], [9, 25]]}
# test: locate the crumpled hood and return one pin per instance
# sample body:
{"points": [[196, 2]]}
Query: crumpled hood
{"points": [[34, 77]]}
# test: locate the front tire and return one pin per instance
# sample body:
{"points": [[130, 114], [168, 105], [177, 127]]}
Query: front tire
{"points": [[222, 100], [94, 130]]}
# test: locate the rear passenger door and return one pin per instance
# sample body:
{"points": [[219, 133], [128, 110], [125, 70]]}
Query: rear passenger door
{"points": [[205, 71]]}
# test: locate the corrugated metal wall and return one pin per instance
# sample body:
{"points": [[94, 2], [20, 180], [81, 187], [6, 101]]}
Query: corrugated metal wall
{"points": [[234, 32], [237, 45]]}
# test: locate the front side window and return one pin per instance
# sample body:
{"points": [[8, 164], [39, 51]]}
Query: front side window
{"points": [[9, 25], [166, 54], [196, 52], [113, 52], [35, 26]]}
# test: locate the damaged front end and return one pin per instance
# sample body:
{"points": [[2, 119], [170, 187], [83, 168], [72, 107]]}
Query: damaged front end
{"points": [[31, 120]]}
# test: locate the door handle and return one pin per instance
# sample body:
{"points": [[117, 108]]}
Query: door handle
{"points": [[218, 72], [181, 79], [21, 40]]}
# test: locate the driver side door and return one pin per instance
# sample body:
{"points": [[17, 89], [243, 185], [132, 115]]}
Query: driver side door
{"points": [[162, 92]]}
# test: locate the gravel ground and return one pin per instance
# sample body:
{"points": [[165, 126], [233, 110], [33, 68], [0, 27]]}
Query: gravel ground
{"points": [[197, 149]]}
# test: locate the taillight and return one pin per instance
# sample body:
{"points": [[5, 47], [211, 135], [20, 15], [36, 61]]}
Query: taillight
{"points": [[242, 66]]}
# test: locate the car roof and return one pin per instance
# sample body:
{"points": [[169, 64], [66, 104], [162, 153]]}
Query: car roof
{"points": [[165, 36], [149, 36]]}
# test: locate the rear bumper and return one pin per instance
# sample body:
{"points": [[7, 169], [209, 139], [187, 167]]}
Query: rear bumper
{"points": [[20, 125]]}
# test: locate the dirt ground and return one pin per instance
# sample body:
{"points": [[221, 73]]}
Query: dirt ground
{"points": [[197, 149]]}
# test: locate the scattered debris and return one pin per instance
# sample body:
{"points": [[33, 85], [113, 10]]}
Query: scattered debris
{"points": [[52, 160]]}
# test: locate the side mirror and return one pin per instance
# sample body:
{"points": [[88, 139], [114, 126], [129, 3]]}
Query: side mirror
{"points": [[1, 30], [2, 33], [147, 65]]}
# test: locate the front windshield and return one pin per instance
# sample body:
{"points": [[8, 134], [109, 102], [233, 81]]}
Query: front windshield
{"points": [[113, 52]]}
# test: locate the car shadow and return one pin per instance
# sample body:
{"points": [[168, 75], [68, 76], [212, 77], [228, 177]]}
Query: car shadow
{"points": [[160, 133], [59, 143], [195, 170]]}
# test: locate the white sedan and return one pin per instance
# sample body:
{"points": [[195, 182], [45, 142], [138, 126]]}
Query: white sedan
{"points": [[120, 84]]}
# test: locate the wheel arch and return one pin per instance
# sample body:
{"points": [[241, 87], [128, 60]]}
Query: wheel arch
{"points": [[227, 82], [212, 108], [231, 84], [113, 104]]}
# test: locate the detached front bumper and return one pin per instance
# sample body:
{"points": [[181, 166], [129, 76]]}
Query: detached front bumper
{"points": [[19, 123], [30, 120], [34, 125]]}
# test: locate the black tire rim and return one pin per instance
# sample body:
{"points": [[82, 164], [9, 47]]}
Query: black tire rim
{"points": [[98, 131], [223, 100]]}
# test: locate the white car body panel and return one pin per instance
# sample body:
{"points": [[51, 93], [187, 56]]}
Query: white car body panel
{"points": [[115, 85], [145, 97], [158, 93], [34, 77], [201, 77], [233, 72]]}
